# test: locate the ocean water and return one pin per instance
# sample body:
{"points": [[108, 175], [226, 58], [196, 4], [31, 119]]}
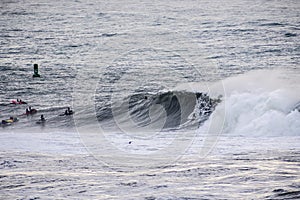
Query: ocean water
{"points": [[172, 99]]}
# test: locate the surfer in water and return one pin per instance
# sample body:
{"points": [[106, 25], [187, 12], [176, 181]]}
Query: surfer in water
{"points": [[20, 101], [17, 101], [9, 121], [69, 111], [28, 110], [43, 118]]}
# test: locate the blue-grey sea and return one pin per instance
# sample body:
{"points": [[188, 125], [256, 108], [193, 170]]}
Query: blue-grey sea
{"points": [[182, 100]]}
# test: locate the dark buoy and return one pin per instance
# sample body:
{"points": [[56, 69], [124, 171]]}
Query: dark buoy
{"points": [[36, 71]]}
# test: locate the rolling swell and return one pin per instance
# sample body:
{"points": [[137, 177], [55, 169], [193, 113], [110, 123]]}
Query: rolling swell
{"points": [[174, 107]]}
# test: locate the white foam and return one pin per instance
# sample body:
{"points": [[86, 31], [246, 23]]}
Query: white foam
{"points": [[261, 103], [260, 114]]}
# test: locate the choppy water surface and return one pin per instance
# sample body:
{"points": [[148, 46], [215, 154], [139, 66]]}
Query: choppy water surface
{"points": [[172, 99], [241, 175]]}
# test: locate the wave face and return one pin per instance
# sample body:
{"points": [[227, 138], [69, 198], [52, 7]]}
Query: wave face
{"points": [[175, 108]]}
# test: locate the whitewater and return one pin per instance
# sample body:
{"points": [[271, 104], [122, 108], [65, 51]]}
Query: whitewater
{"points": [[172, 100]]}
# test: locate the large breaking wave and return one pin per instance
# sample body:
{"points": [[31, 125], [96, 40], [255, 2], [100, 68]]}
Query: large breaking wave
{"points": [[175, 108], [255, 104]]}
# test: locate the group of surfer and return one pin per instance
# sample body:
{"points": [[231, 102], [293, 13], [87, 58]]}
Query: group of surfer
{"points": [[30, 111]]}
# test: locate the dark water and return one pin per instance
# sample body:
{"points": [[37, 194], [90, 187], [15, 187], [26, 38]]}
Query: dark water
{"points": [[133, 73]]}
